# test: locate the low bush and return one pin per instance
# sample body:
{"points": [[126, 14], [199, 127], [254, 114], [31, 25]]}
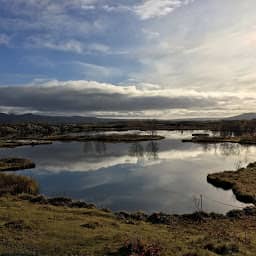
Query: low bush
{"points": [[15, 184], [140, 248]]}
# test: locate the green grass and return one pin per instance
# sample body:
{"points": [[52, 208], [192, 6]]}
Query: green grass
{"points": [[34, 229]]}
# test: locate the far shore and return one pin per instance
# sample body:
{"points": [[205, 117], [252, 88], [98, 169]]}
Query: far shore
{"points": [[113, 137], [245, 140]]}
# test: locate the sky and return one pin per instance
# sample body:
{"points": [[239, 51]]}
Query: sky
{"points": [[128, 58]]}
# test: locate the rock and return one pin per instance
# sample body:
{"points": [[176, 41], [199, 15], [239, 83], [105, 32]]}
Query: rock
{"points": [[17, 225], [81, 204], [92, 225], [60, 201]]}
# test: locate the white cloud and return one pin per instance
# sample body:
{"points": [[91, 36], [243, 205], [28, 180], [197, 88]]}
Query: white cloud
{"points": [[152, 8], [103, 99], [117, 8], [96, 72], [52, 19], [66, 45]]}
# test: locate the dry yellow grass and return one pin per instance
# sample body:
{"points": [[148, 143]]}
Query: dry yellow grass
{"points": [[35, 229]]}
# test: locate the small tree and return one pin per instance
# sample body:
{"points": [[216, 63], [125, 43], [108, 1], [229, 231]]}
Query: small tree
{"points": [[152, 127]]}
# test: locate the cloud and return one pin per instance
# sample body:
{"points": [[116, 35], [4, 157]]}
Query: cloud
{"points": [[151, 8], [67, 46], [117, 8], [200, 49], [53, 19], [4, 40], [216, 54], [71, 45], [96, 72], [89, 97], [85, 96]]}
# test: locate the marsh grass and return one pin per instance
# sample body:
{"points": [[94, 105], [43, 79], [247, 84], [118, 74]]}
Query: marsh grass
{"points": [[15, 164], [242, 182], [14, 184]]}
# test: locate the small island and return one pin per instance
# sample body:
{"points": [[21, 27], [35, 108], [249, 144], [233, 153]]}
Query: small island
{"points": [[13, 143], [11, 184], [245, 140], [113, 137], [242, 182], [15, 164]]}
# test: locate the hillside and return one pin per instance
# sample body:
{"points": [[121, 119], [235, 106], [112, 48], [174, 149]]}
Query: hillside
{"points": [[25, 118], [245, 116]]}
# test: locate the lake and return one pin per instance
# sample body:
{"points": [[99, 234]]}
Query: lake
{"points": [[152, 176]]}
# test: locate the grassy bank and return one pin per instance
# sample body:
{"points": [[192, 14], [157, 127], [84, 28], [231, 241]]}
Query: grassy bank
{"points": [[242, 182], [43, 229], [31, 224], [35, 225], [14, 184]]}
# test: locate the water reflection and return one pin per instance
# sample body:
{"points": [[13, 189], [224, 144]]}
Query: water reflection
{"points": [[137, 150], [228, 149], [94, 147], [234, 150], [150, 150], [151, 176]]}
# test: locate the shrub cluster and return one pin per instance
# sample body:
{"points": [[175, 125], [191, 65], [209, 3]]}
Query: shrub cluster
{"points": [[15, 184], [140, 248]]}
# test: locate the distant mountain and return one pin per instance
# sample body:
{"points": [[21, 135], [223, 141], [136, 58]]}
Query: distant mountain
{"points": [[246, 116], [25, 118]]}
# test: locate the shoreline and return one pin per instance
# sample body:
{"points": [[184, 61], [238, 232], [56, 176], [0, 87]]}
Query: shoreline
{"points": [[106, 138], [110, 138], [242, 182], [15, 164], [29, 228], [243, 140], [70, 227]]}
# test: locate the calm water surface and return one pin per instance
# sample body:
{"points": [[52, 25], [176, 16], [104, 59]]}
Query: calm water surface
{"points": [[151, 176]]}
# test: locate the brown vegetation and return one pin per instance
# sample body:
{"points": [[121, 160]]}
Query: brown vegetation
{"points": [[242, 182], [43, 229], [16, 184], [246, 140], [18, 143], [114, 137], [39, 130], [15, 164]]}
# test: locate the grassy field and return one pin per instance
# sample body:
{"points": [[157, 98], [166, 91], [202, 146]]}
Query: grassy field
{"points": [[42, 229]]}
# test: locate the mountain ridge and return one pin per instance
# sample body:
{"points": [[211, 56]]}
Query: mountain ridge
{"points": [[245, 116], [29, 117]]}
